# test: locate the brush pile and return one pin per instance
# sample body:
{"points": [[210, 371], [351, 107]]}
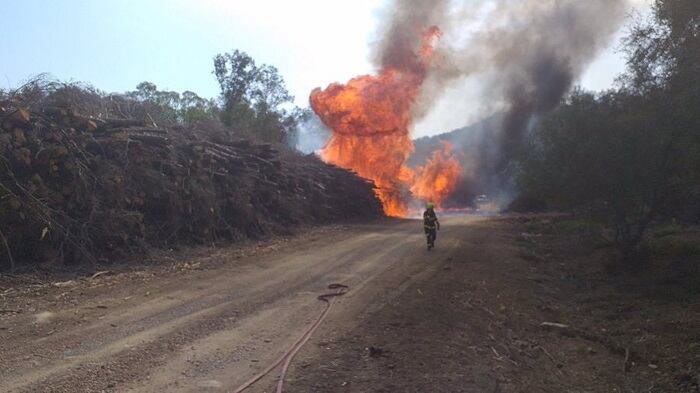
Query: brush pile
{"points": [[83, 188]]}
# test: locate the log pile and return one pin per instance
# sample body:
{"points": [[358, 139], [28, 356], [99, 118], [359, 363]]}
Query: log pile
{"points": [[77, 188]]}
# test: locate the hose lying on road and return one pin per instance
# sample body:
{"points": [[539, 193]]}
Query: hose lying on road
{"points": [[329, 299]]}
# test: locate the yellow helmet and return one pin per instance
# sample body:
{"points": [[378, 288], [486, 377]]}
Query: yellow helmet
{"points": [[430, 205]]}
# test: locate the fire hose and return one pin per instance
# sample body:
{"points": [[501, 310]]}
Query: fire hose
{"points": [[288, 356]]}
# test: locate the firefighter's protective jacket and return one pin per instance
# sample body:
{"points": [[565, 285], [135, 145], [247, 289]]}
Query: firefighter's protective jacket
{"points": [[430, 220]]}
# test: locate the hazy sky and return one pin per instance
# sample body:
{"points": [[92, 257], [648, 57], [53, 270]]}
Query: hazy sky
{"points": [[115, 44]]}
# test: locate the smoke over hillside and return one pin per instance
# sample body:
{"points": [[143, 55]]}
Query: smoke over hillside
{"points": [[523, 55], [519, 57]]}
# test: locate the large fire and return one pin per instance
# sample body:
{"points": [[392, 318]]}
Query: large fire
{"points": [[437, 178], [371, 117]]}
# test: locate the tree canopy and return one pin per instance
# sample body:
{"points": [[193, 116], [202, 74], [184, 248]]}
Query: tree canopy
{"points": [[629, 156], [254, 98]]}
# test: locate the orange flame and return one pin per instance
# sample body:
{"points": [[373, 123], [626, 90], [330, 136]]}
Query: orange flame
{"points": [[371, 117], [437, 178]]}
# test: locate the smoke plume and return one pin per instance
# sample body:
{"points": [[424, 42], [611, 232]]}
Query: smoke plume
{"points": [[524, 54]]}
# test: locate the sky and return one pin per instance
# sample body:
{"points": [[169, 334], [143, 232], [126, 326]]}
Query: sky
{"points": [[115, 44]]}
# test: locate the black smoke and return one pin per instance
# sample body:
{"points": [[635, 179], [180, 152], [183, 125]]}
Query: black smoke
{"points": [[525, 56]]}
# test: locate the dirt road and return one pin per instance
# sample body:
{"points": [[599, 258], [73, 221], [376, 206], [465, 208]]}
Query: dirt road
{"points": [[206, 329], [463, 318]]}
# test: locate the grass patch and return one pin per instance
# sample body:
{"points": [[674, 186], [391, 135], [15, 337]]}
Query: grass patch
{"points": [[668, 229], [674, 247], [565, 227], [578, 227]]}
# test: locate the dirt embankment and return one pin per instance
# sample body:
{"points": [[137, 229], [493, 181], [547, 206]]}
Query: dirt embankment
{"points": [[86, 188]]}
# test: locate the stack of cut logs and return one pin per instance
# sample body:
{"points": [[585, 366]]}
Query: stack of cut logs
{"points": [[76, 189]]}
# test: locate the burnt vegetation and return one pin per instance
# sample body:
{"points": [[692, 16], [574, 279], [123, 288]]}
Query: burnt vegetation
{"points": [[628, 158], [88, 177]]}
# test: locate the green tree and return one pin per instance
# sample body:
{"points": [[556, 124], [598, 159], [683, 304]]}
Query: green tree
{"points": [[632, 156], [185, 108], [606, 156], [193, 108], [254, 98]]}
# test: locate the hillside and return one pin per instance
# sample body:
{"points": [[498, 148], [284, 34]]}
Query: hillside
{"points": [[473, 145]]}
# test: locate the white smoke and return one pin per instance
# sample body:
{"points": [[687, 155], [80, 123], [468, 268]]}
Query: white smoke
{"points": [[311, 135]]}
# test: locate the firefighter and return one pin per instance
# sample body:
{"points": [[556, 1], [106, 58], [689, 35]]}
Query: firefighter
{"points": [[431, 225]]}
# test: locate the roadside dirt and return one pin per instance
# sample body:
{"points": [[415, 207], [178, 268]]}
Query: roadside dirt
{"points": [[467, 317], [508, 309]]}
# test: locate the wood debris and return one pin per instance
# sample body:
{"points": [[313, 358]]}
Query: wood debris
{"points": [[77, 188]]}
